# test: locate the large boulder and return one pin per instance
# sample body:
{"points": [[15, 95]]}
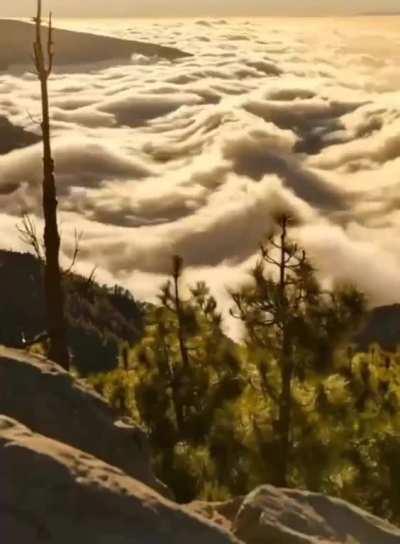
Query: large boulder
{"points": [[45, 398], [284, 516], [51, 492]]}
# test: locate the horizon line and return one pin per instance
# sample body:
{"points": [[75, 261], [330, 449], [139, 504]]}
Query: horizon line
{"points": [[219, 17]]}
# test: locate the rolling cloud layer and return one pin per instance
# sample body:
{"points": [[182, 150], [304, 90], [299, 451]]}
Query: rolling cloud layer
{"points": [[197, 156]]}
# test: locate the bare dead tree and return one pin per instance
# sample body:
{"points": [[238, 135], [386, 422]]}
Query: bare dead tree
{"points": [[43, 58], [78, 235], [29, 236]]}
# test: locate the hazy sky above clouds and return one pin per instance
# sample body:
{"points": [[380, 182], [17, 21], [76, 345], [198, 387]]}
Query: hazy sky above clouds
{"points": [[100, 8]]}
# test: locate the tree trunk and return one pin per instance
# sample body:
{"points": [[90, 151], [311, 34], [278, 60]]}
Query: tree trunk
{"points": [[177, 269], [54, 297], [178, 406], [174, 378], [285, 412], [286, 363], [58, 351]]}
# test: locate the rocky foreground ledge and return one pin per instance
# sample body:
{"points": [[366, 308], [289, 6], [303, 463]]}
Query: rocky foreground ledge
{"points": [[49, 401], [70, 473], [51, 492]]}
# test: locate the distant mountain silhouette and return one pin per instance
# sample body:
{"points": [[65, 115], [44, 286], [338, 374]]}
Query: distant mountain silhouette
{"points": [[380, 13], [382, 327], [73, 48], [14, 137]]}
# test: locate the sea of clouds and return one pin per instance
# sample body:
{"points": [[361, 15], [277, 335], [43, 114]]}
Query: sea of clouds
{"points": [[197, 156]]}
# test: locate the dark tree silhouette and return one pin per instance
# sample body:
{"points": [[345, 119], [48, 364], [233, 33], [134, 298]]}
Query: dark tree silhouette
{"points": [[297, 325], [58, 350], [271, 311], [171, 298]]}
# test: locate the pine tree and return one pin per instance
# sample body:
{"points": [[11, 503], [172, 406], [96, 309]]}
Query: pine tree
{"points": [[289, 319], [186, 371]]}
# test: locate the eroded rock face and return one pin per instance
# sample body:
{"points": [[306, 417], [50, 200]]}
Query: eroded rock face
{"points": [[51, 492], [45, 398], [285, 516]]}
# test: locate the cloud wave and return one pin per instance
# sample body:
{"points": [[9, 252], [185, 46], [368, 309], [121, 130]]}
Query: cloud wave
{"points": [[198, 155]]}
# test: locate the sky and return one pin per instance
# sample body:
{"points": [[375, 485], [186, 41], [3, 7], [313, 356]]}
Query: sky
{"points": [[173, 8]]}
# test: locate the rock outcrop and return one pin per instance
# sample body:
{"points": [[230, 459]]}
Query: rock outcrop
{"points": [[70, 473], [45, 398], [51, 492], [287, 516]]}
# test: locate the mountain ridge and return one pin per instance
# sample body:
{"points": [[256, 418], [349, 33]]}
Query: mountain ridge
{"points": [[73, 48]]}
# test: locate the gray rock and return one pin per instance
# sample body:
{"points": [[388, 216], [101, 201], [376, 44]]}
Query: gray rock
{"points": [[51, 492], [284, 516], [45, 398]]}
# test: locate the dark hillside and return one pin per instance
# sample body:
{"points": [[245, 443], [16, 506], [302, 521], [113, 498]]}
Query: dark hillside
{"points": [[382, 327], [99, 318]]}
